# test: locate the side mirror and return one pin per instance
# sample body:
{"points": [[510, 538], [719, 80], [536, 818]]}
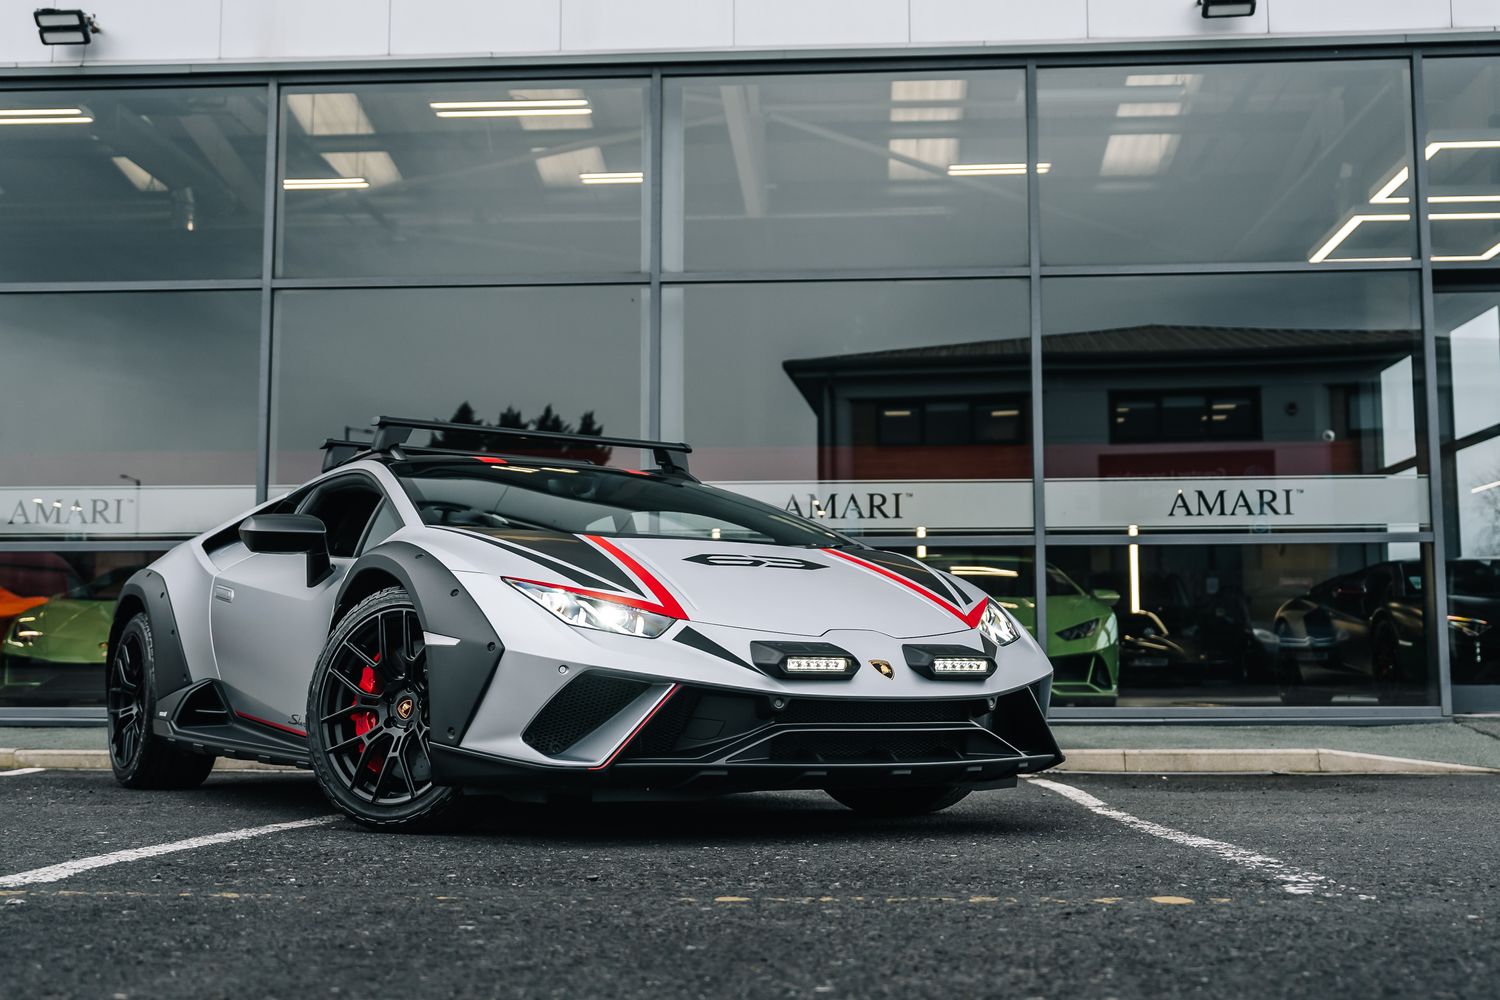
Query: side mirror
{"points": [[1107, 596], [293, 534]]}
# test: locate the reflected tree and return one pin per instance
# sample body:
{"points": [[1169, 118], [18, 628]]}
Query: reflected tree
{"points": [[549, 420]]}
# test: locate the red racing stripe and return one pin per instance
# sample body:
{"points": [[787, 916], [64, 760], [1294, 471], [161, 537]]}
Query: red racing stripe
{"points": [[669, 605], [969, 618]]}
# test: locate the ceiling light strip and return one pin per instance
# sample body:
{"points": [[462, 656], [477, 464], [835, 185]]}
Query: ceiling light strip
{"points": [[1344, 231], [70, 120]]}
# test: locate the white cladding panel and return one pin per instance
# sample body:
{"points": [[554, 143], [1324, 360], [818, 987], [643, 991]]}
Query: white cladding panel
{"points": [[198, 31]]}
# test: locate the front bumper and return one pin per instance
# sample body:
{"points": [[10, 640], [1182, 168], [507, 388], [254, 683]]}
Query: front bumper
{"points": [[704, 741]]}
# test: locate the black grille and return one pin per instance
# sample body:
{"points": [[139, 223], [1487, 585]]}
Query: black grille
{"points": [[815, 711], [879, 747], [577, 710]]}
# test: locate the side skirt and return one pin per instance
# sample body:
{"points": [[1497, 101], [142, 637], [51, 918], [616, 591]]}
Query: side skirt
{"points": [[201, 718]]}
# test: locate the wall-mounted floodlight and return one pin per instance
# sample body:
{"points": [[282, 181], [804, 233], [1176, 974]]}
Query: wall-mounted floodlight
{"points": [[64, 27], [1227, 8]]}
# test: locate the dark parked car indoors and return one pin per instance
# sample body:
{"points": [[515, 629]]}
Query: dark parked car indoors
{"points": [[1179, 639], [1366, 628]]}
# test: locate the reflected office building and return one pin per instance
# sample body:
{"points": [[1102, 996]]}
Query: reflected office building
{"points": [[1190, 360]]}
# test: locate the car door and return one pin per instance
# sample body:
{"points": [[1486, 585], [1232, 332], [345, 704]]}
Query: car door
{"points": [[268, 626]]}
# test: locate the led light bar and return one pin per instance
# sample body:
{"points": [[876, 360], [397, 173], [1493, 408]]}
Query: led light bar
{"points": [[816, 664], [549, 108], [959, 665]]}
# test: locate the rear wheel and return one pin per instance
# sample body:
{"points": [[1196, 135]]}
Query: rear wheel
{"points": [[139, 758], [898, 801], [367, 711]]}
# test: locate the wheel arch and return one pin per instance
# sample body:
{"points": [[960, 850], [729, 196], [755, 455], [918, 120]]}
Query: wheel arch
{"points": [[459, 674], [147, 591]]}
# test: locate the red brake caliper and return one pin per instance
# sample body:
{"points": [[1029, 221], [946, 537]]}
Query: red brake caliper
{"points": [[365, 721]]}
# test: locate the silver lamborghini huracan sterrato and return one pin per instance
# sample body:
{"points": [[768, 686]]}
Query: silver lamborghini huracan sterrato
{"points": [[425, 625]]}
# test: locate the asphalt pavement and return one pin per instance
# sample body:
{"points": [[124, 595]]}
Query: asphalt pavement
{"points": [[1100, 886]]}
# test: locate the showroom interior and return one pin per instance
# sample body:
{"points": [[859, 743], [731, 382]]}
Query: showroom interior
{"points": [[1189, 357]]}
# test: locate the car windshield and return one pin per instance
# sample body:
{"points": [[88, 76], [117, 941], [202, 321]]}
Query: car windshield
{"points": [[103, 588], [502, 494]]}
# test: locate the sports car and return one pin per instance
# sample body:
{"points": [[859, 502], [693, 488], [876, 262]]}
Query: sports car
{"points": [[421, 626], [55, 651]]}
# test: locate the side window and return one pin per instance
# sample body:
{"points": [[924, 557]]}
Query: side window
{"points": [[345, 506], [386, 523]]}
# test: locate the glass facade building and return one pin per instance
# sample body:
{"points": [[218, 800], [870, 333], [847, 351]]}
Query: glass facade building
{"points": [[1192, 362]]}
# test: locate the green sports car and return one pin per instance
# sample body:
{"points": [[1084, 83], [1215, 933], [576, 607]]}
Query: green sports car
{"points": [[55, 651], [1084, 644]]}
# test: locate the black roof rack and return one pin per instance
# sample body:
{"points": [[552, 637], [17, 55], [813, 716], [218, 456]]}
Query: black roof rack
{"points": [[391, 434]]}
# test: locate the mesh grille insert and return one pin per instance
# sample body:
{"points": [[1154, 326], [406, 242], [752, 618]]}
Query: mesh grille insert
{"points": [[805, 711], [577, 710]]}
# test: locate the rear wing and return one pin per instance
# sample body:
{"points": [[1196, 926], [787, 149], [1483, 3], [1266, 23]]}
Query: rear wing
{"points": [[391, 434]]}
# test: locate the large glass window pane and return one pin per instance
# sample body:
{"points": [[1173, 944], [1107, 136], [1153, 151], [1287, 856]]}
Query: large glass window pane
{"points": [[1293, 161], [55, 613], [127, 413], [849, 170], [1245, 402], [463, 179], [562, 359], [1468, 325], [1462, 147], [1196, 626], [124, 184], [876, 405]]}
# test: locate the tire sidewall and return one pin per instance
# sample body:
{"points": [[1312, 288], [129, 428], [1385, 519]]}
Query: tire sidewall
{"points": [[139, 626]]}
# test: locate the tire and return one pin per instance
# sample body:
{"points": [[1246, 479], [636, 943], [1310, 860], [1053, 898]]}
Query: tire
{"points": [[1391, 687], [139, 758], [367, 720], [898, 801]]}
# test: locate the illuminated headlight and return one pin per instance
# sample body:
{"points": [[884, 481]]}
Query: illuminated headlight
{"points": [[817, 664], [959, 665], [997, 626], [596, 611], [1080, 631]]}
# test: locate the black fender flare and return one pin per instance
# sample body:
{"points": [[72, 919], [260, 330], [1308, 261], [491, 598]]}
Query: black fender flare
{"points": [[147, 591], [457, 676]]}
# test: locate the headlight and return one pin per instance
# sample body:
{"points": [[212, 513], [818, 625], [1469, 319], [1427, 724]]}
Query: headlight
{"points": [[1080, 631], [997, 627], [24, 632], [590, 609]]}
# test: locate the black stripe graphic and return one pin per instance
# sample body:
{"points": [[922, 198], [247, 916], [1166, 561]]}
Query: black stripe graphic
{"points": [[523, 545], [691, 637], [917, 573]]}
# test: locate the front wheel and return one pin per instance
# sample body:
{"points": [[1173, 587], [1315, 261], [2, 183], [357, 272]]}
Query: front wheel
{"points": [[898, 801], [368, 725]]}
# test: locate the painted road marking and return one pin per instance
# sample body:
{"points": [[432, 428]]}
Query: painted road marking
{"points": [[1297, 881], [20, 771], [56, 873]]}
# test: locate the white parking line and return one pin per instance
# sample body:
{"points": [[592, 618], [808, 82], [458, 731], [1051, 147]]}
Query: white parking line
{"points": [[1297, 881], [56, 873], [17, 772]]}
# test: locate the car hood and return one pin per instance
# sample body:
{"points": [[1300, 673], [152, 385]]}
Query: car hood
{"points": [[774, 588]]}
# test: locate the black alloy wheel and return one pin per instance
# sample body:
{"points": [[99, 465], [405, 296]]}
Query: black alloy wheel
{"points": [[370, 728], [137, 756]]}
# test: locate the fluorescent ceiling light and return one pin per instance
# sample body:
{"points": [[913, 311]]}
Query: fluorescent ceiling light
{"points": [[1005, 413], [1486, 486], [515, 113], [49, 112], [983, 571], [1451, 198], [324, 184], [950, 114], [1463, 216], [1350, 225], [1434, 148], [70, 120], [374, 166], [617, 177], [330, 114], [1148, 109], [137, 174], [988, 169], [1138, 154], [508, 105], [558, 121]]}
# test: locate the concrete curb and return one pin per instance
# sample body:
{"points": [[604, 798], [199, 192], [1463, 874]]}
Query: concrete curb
{"points": [[1281, 761], [1186, 761]]}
